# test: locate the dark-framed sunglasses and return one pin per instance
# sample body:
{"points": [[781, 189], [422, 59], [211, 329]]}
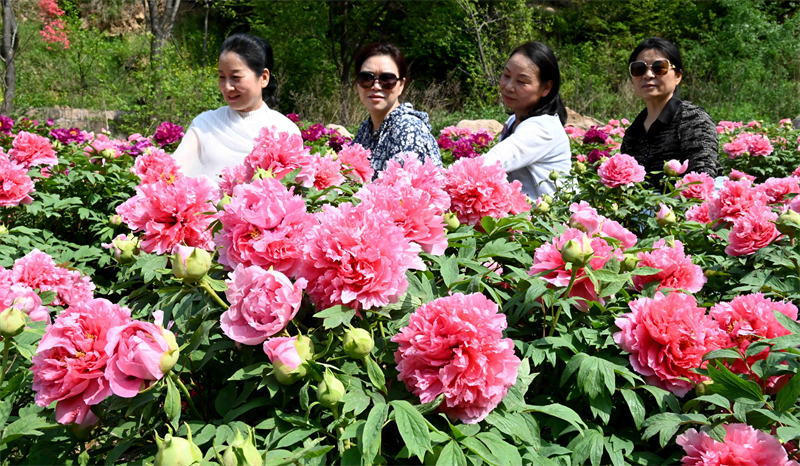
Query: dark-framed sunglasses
{"points": [[366, 80], [659, 67]]}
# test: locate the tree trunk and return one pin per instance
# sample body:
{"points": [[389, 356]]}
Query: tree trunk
{"points": [[7, 51], [161, 24], [205, 38]]}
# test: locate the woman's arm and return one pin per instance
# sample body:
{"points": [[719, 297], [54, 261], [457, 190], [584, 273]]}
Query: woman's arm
{"points": [[526, 146], [700, 142]]}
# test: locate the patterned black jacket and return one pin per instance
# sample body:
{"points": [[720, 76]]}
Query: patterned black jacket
{"points": [[403, 130], [682, 131]]}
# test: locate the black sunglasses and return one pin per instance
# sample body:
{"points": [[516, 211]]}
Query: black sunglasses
{"points": [[659, 67], [366, 80]]}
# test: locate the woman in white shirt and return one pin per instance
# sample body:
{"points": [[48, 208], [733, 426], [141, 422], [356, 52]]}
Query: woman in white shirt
{"points": [[533, 141], [224, 137]]}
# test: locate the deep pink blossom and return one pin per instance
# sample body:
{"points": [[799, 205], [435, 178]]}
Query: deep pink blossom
{"points": [[751, 232], [232, 177], [425, 176], [595, 136], [696, 186], [102, 146], [71, 358], [262, 301], [743, 446], [677, 269], [620, 170], [38, 270], [69, 135], [168, 133], [596, 155], [667, 337], [358, 258], [6, 124], [737, 175], [698, 213], [355, 160], [445, 142], [463, 149], [22, 297], [172, 213], [585, 217], [279, 153], [313, 133], [293, 117], [327, 172], [155, 166], [778, 189], [30, 149], [455, 346], [15, 184], [735, 199]]}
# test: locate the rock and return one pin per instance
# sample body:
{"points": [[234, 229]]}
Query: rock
{"points": [[579, 121], [341, 129], [476, 125], [796, 123]]}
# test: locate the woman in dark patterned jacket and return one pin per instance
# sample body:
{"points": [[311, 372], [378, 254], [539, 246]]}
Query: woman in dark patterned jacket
{"points": [[669, 128], [391, 128]]}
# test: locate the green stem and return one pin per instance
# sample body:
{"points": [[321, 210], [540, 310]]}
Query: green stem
{"points": [[204, 285], [186, 394], [6, 348], [566, 293]]}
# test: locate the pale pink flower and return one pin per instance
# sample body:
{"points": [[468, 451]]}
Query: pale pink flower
{"points": [[729, 126], [777, 189], [451, 131], [585, 217], [155, 166], [677, 269], [547, 258], [477, 190], [751, 232], [38, 270], [358, 258], [696, 186], [613, 229], [327, 172], [425, 176], [743, 446], [264, 225], [580, 157], [698, 213], [667, 337], [620, 170], [736, 148], [663, 211], [575, 133], [759, 145], [231, 177], [737, 175], [262, 301], [279, 153], [135, 352], [676, 168], [455, 346], [796, 172], [71, 359], [754, 124], [735, 199], [102, 144], [22, 297], [15, 184], [283, 350], [30, 149], [172, 213], [356, 163]]}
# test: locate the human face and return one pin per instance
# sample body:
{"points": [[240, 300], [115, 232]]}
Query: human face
{"points": [[239, 85], [380, 101], [520, 86], [652, 88]]}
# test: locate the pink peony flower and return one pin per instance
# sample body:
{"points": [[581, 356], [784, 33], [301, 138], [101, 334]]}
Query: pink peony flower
{"points": [[327, 172], [168, 133], [735, 199], [264, 225], [38, 270], [675, 168], [702, 187], [735, 148], [547, 258], [729, 126], [759, 145], [15, 184], [663, 211], [580, 158], [155, 166], [748, 318], [667, 337], [232, 177], [30, 149], [283, 350], [71, 359], [743, 446], [620, 170], [677, 269], [737, 175], [596, 155], [477, 191], [22, 297], [452, 131], [425, 176], [796, 172], [584, 217], [136, 351], [698, 213], [355, 160], [262, 304], [455, 346], [778, 189], [751, 232], [172, 213], [101, 145], [412, 210], [357, 257], [613, 229], [279, 153]]}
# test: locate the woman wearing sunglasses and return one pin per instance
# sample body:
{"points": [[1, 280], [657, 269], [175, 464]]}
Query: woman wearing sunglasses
{"points": [[668, 128], [533, 142], [224, 137], [392, 128]]}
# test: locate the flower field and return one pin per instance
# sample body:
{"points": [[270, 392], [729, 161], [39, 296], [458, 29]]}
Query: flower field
{"points": [[304, 313]]}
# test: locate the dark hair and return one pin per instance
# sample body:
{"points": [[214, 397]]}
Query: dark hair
{"points": [[390, 50], [664, 46], [257, 54], [544, 59]]}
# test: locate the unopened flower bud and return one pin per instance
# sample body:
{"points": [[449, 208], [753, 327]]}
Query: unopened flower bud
{"points": [[12, 322], [541, 208], [115, 220], [170, 357], [109, 153], [3, 230], [123, 248], [554, 175], [330, 390], [702, 388], [304, 347], [579, 252], [451, 220], [190, 264], [665, 216], [629, 262], [223, 202], [242, 452], [358, 343], [262, 174], [675, 168], [176, 451], [57, 144], [579, 168], [784, 223], [548, 199]]}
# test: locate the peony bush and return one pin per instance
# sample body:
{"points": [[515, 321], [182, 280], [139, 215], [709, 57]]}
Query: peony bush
{"points": [[306, 311]]}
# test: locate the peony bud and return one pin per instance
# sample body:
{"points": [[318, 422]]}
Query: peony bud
{"points": [[110, 153], [115, 220], [629, 262], [3, 230], [123, 249], [579, 252], [665, 216], [330, 390], [358, 343], [170, 357], [304, 347], [288, 357], [176, 451], [190, 264], [541, 208], [262, 174], [675, 168], [548, 199], [223, 202], [554, 175], [783, 224], [451, 221], [12, 322], [579, 168], [702, 388], [242, 452]]}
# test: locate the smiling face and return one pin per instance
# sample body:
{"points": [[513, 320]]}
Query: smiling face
{"points": [[239, 85], [380, 101], [651, 87], [520, 86]]}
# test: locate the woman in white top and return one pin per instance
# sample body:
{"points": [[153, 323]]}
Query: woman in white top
{"points": [[533, 142], [224, 137]]}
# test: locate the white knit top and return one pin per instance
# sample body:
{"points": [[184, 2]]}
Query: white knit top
{"points": [[223, 138]]}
